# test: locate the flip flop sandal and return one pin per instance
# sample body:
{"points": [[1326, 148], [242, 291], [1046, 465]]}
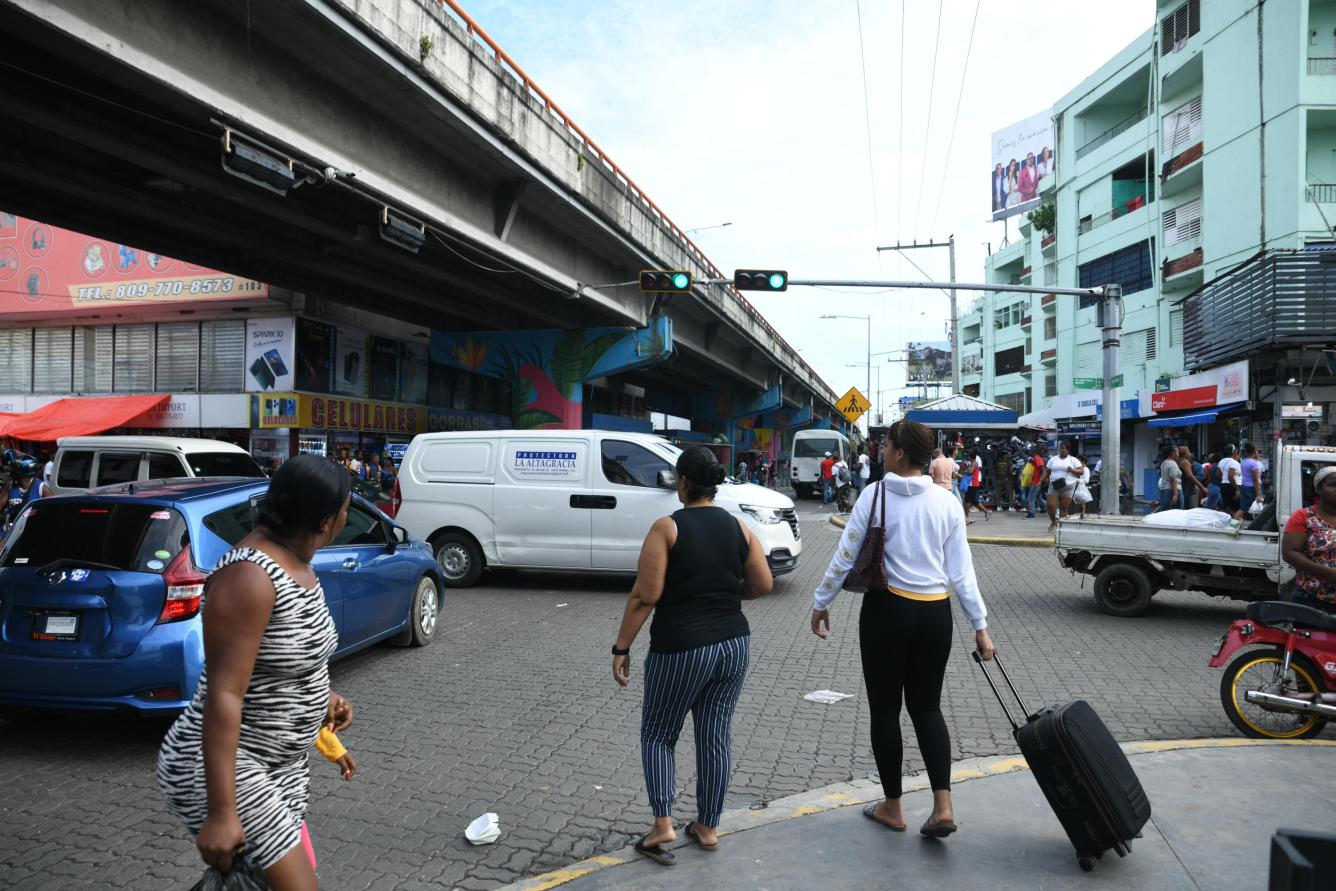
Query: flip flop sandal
{"points": [[655, 852], [690, 830], [870, 811], [938, 830]]}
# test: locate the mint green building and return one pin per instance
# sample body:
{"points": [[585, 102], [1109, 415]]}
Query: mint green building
{"points": [[1197, 168]]}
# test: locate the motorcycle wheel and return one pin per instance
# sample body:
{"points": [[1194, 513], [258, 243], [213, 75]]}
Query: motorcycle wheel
{"points": [[1256, 669]]}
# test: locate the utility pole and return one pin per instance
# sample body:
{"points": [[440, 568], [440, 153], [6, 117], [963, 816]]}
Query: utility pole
{"points": [[950, 245]]}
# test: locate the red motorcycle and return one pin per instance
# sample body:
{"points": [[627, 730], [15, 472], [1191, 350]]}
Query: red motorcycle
{"points": [[1286, 689]]}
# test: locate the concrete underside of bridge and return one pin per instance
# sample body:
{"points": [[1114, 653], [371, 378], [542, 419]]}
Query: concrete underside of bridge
{"points": [[114, 113]]}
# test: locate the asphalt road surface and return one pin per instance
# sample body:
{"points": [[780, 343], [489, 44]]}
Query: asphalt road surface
{"points": [[513, 709]]}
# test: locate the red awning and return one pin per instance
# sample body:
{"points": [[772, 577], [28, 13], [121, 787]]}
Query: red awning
{"points": [[78, 416]]}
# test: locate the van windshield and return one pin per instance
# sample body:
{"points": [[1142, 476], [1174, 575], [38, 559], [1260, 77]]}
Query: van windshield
{"points": [[135, 537], [223, 464], [815, 447]]}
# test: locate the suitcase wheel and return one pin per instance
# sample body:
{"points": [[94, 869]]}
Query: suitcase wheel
{"points": [[1087, 863]]}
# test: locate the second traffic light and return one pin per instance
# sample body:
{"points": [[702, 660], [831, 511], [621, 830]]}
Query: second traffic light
{"points": [[761, 280], [665, 281]]}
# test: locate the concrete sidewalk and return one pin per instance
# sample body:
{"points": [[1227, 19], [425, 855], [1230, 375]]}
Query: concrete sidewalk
{"points": [[1215, 805]]}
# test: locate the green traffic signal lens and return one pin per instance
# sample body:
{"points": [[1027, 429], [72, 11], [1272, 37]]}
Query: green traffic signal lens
{"points": [[681, 281], [777, 280]]}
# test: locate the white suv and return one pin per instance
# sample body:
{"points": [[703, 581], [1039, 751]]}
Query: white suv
{"points": [[83, 462]]}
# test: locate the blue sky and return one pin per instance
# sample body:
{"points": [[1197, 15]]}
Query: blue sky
{"points": [[752, 113]]}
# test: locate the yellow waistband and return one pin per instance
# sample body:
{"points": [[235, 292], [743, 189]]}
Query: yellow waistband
{"points": [[912, 595]]}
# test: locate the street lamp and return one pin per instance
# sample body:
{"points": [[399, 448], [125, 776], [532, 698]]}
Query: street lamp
{"points": [[703, 228], [867, 319]]}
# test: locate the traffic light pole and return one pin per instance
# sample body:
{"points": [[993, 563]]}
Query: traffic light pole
{"points": [[1110, 298]]}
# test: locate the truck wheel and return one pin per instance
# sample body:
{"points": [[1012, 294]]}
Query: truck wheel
{"points": [[1123, 590], [460, 559]]}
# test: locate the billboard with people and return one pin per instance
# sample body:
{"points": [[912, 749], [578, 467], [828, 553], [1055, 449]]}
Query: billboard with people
{"points": [[1022, 156], [929, 362]]}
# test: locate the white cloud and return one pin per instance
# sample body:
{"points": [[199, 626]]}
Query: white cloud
{"points": [[752, 113]]}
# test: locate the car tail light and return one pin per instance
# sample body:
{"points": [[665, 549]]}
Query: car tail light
{"points": [[395, 500], [161, 693], [185, 587]]}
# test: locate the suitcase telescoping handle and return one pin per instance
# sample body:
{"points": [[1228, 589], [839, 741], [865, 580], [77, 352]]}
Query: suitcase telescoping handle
{"points": [[1025, 712]]}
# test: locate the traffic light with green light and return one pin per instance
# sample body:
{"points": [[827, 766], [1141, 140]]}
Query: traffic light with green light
{"points": [[665, 281], [761, 280]]}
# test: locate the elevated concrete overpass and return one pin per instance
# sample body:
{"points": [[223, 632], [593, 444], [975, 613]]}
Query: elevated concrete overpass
{"points": [[116, 114]]}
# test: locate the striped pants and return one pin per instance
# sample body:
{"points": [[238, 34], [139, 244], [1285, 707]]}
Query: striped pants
{"points": [[705, 681]]}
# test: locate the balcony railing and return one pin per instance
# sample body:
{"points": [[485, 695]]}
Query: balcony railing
{"points": [[1121, 210], [1122, 126], [1321, 193], [1282, 298], [1322, 67]]}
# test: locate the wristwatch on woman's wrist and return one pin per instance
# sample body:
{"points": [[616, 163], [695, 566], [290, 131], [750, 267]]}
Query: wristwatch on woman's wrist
{"points": [[617, 652]]}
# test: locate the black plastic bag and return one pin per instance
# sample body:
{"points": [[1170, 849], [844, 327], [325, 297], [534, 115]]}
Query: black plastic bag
{"points": [[245, 876]]}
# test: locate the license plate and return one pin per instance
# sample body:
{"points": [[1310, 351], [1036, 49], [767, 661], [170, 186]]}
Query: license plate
{"points": [[56, 626], [1219, 645]]}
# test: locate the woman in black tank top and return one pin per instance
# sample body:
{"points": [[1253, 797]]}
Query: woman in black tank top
{"points": [[696, 567]]}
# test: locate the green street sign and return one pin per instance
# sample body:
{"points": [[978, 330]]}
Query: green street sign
{"points": [[1088, 383], [1117, 381]]}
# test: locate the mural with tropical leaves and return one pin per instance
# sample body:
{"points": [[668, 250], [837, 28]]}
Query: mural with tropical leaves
{"points": [[546, 369]]}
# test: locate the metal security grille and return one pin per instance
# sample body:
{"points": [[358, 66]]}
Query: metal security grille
{"points": [[132, 362], [222, 354], [92, 359], [52, 360], [16, 360], [178, 357], [1129, 267], [1283, 298], [1178, 26]]}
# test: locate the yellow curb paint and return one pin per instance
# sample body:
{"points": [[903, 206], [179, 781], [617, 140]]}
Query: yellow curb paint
{"points": [[837, 800], [837, 521], [1011, 542]]}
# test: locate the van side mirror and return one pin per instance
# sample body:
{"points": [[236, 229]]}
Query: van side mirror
{"points": [[667, 479]]}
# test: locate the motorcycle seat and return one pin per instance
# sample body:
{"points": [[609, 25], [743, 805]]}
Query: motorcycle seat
{"points": [[1272, 612]]}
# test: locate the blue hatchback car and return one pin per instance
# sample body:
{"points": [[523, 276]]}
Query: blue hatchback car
{"points": [[100, 591]]}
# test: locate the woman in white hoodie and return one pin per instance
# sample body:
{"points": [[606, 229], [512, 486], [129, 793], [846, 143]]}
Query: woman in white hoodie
{"points": [[905, 632]]}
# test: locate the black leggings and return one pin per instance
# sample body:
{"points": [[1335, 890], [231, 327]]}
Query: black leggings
{"points": [[905, 645]]}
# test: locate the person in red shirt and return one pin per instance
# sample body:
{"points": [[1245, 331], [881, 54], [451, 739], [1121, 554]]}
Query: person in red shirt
{"points": [[1309, 545], [827, 479], [1035, 495]]}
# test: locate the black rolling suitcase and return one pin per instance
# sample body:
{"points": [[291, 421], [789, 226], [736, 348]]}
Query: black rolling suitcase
{"points": [[1085, 776]]}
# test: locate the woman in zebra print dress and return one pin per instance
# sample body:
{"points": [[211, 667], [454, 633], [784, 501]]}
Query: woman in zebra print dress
{"points": [[234, 765]]}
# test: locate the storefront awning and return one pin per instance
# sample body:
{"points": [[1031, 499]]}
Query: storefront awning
{"points": [[79, 416], [1192, 418]]}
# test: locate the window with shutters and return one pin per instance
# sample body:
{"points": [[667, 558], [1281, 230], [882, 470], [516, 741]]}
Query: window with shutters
{"points": [[1175, 327], [16, 360], [1089, 361], [1182, 223], [92, 359], [52, 360], [1137, 348], [1051, 328], [1178, 26], [178, 356], [1152, 343], [1051, 383], [1182, 127], [222, 355], [132, 359]]}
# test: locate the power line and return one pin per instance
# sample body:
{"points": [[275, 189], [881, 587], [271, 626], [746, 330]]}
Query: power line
{"points": [[946, 168], [867, 123], [927, 128]]}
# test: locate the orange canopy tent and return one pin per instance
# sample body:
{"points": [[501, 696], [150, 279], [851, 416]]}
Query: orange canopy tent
{"points": [[78, 416]]}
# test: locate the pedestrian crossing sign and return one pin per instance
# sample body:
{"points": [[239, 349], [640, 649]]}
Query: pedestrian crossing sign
{"points": [[853, 404]]}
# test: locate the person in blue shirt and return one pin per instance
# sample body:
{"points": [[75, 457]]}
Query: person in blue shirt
{"points": [[24, 488]]}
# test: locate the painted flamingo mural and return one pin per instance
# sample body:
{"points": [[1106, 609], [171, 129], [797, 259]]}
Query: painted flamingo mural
{"points": [[546, 369]]}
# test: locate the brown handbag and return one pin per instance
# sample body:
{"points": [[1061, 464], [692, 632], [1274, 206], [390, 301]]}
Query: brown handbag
{"points": [[869, 572]]}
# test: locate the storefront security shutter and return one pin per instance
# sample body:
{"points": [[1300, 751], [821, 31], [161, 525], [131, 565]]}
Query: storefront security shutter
{"points": [[53, 360], [222, 354], [132, 363], [16, 360], [92, 359], [178, 357]]}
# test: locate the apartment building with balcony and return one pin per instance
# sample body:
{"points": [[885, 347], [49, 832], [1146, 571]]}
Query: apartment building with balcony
{"points": [[1197, 168]]}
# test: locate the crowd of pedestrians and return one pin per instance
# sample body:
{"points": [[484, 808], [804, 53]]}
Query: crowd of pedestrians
{"points": [[1221, 483]]}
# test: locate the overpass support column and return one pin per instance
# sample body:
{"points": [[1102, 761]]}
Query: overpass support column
{"points": [[546, 369]]}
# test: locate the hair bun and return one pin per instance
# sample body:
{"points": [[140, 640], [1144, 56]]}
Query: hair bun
{"points": [[716, 474]]}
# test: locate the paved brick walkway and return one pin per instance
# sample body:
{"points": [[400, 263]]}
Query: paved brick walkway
{"points": [[513, 710]]}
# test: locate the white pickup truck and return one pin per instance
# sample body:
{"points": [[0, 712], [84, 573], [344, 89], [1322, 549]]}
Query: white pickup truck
{"points": [[1132, 560]]}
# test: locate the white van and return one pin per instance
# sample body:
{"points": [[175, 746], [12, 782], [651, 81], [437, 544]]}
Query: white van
{"points": [[809, 449], [560, 499], [86, 461]]}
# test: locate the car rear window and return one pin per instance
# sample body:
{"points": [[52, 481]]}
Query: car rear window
{"points": [[136, 537], [813, 447], [223, 464]]}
